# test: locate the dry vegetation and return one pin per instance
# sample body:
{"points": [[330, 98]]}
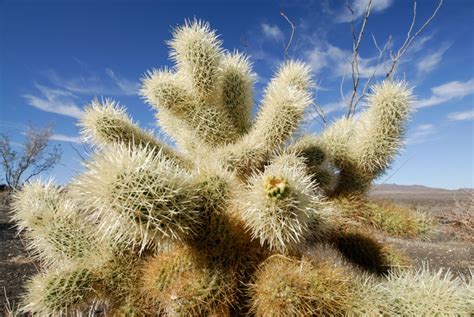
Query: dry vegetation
{"points": [[386, 216]]}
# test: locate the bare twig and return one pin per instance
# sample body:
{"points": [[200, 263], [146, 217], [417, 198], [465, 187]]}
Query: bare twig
{"points": [[371, 77], [20, 167], [394, 57], [81, 157], [351, 105], [320, 112], [288, 45], [410, 38], [318, 109]]}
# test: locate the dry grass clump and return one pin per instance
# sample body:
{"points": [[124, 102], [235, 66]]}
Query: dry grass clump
{"points": [[287, 287], [386, 216], [395, 258]]}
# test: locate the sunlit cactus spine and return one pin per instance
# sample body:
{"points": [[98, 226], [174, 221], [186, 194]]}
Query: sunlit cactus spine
{"points": [[363, 148], [220, 224], [281, 204], [56, 229]]}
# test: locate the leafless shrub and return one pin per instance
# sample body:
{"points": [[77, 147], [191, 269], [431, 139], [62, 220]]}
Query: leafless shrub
{"points": [[34, 158]]}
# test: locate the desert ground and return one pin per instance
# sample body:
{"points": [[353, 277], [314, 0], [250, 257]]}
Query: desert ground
{"points": [[448, 245]]}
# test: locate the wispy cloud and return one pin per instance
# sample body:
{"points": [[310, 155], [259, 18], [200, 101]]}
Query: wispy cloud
{"points": [[337, 61], [66, 138], [420, 43], [61, 94], [272, 32], [127, 87], [430, 61], [447, 92], [461, 116], [333, 107], [421, 133], [95, 83], [54, 100], [359, 7]]}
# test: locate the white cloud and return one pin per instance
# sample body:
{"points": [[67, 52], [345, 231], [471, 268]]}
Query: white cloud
{"points": [[333, 107], [272, 31], [320, 57], [421, 133], [430, 61], [66, 138], [338, 61], [62, 94], [128, 87], [447, 92], [360, 6], [420, 42], [95, 83], [461, 116], [54, 100]]}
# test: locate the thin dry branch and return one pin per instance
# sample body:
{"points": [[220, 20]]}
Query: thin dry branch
{"points": [[351, 105], [410, 38], [290, 40], [371, 77], [395, 57], [19, 167], [320, 112]]}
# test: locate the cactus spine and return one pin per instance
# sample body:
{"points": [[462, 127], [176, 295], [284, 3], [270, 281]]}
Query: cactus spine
{"points": [[219, 224]]}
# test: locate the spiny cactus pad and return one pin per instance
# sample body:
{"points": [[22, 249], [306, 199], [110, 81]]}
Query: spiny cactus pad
{"points": [[219, 223]]}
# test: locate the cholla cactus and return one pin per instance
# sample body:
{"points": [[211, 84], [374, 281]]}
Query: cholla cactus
{"points": [[219, 224]]}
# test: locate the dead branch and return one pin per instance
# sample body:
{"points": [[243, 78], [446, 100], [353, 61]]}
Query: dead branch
{"points": [[355, 57], [356, 95], [290, 40], [410, 38], [20, 167]]}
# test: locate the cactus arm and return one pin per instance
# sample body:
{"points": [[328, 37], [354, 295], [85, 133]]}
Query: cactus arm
{"points": [[60, 293], [381, 128], [196, 51], [189, 93], [363, 149], [235, 89], [281, 204], [286, 98], [319, 167], [107, 123], [138, 197], [56, 232]]}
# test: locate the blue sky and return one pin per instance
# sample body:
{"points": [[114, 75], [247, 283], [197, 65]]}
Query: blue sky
{"points": [[56, 56]]}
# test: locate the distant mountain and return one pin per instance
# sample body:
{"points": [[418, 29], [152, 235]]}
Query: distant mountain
{"points": [[406, 188], [419, 192]]}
